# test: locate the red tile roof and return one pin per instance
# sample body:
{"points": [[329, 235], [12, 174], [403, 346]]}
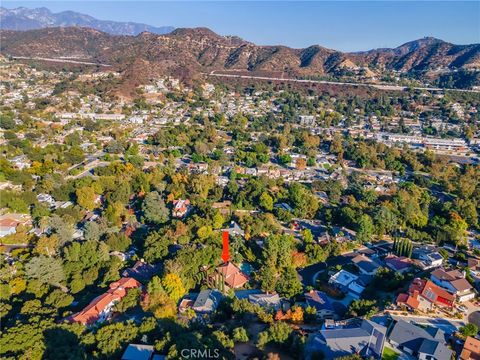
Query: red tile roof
{"points": [[234, 278], [471, 349], [117, 291]]}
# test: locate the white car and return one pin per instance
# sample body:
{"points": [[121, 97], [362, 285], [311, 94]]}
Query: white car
{"points": [[462, 308]]}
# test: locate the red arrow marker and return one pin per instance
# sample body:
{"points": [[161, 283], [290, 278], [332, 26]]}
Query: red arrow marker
{"points": [[225, 251]]}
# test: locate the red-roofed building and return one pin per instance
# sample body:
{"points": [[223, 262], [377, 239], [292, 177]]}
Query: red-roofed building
{"points": [[424, 294], [101, 307], [181, 208], [471, 349], [398, 264], [232, 275]]}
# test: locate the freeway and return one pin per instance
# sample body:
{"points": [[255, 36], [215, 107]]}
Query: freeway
{"points": [[384, 87], [60, 60]]}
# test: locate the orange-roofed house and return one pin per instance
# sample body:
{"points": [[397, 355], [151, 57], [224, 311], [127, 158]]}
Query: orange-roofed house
{"points": [[232, 275], [471, 349], [181, 208], [424, 294], [102, 306]]}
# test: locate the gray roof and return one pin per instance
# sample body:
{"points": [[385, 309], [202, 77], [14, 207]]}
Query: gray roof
{"points": [[318, 300], [138, 352], [416, 338], [365, 263], [207, 300], [435, 349], [366, 338]]}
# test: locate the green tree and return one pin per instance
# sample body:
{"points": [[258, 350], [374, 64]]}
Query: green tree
{"points": [[154, 208], [172, 283], [46, 269], [365, 228], [469, 330], [266, 201], [240, 334], [86, 197], [128, 301]]}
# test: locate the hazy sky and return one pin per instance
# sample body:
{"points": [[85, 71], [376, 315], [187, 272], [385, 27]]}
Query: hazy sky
{"points": [[341, 25]]}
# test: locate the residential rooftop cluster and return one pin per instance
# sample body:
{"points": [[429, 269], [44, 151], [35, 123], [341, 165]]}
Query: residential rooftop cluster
{"points": [[257, 221]]}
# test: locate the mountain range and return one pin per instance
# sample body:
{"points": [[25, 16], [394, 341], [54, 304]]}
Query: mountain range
{"points": [[28, 19], [190, 52]]}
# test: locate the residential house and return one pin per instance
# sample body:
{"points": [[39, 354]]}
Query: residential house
{"points": [[344, 234], [423, 343], [231, 275], [284, 206], [207, 301], [9, 223], [224, 207], [20, 162], [362, 337], [141, 270], [347, 282], [266, 301], [181, 208], [138, 352], [235, 230], [321, 303], [471, 349], [474, 265], [102, 306], [365, 265], [424, 294], [400, 264], [427, 257], [453, 281]]}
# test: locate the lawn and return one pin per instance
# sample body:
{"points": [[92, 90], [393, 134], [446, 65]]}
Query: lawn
{"points": [[389, 354]]}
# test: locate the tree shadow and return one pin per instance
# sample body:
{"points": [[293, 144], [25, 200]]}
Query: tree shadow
{"points": [[61, 343]]}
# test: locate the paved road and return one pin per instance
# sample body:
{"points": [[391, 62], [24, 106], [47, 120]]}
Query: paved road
{"points": [[60, 60], [376, 86]]}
